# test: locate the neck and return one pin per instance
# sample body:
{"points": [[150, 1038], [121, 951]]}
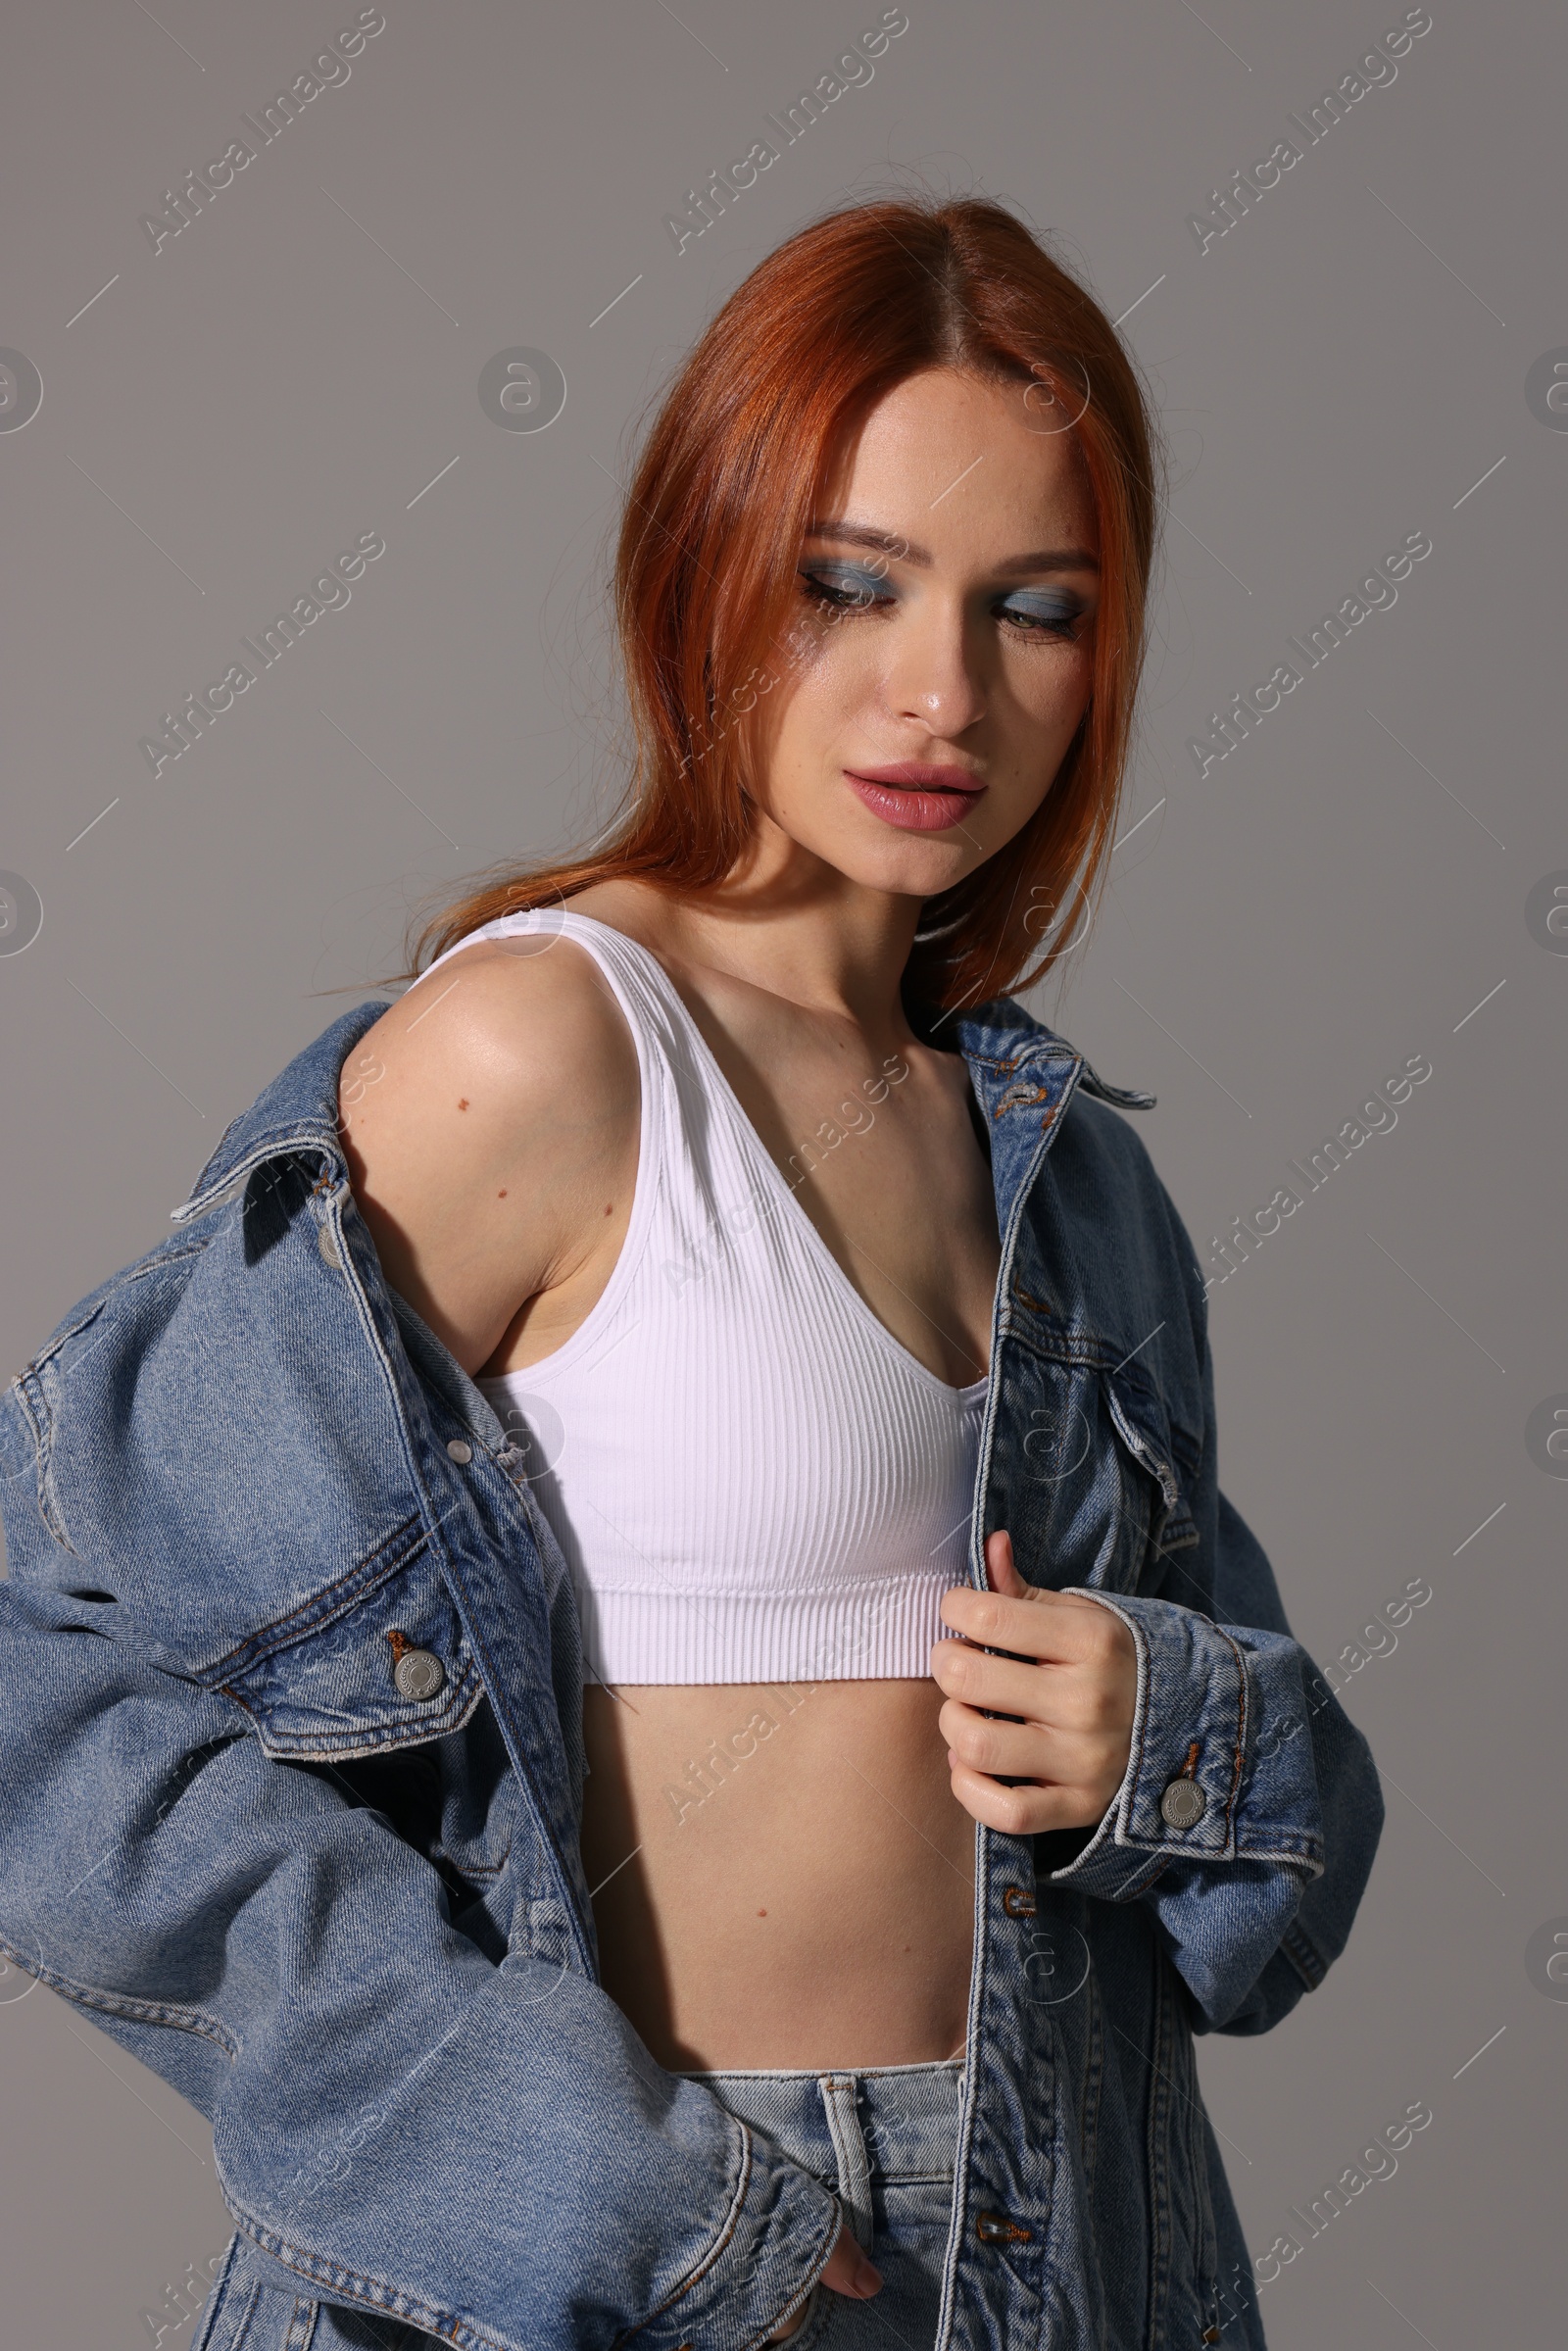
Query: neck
{"points": [[798, 927]]}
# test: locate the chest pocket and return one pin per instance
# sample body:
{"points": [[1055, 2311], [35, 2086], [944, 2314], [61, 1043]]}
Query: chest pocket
{"points": [[1166, 1459], [379, 1660], [374, 1686], [1088, 1476]]}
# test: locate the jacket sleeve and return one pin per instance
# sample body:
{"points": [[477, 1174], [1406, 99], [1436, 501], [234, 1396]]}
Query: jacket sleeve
{"points": [[1256, 1894], [486, 2151]]}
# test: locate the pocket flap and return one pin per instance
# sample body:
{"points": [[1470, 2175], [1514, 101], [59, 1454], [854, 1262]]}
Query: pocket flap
{"points": [[1140, 1421], [379, 1660]]}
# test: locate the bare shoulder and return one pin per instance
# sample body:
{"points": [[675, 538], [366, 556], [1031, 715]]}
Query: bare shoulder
{"points": [[525, 1021], [487, 1118]]}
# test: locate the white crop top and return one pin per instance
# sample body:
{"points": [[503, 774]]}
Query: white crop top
{"points": [[750, 1478]]}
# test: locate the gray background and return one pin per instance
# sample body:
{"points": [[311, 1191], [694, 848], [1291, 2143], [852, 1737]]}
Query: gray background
{"points": [[1347, 890]]}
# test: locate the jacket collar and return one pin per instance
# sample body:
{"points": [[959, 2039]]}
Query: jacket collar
{"points": [[296, 1113], [1022, 1073], [1023, 1076], [1016, 1063]]}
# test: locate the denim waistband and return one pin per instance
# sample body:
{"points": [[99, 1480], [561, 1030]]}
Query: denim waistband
{"points": [[850, 2126]]}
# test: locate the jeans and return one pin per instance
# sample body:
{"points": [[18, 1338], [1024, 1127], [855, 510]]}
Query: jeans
{"points": [[884, 2141]]}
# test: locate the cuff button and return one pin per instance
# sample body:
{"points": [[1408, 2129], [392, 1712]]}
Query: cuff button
{"points": [[418, 1673], [1182, 1804]]}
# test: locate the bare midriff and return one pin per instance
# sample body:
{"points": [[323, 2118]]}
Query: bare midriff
{"points": [[782, 1876]]}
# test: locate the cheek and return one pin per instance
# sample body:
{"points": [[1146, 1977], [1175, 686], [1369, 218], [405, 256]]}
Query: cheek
{"points": [[833, 683], [1034, 717], [1049, 688]]}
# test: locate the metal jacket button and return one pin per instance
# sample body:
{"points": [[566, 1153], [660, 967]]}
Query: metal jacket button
{"points": [[418, 1673], [1182, 1803], [459, 1452]]}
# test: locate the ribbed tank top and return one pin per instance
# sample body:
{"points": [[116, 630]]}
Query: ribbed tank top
{"points": [[750, 1478]]}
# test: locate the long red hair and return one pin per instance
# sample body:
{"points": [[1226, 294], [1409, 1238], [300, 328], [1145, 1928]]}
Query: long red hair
{"points": [[710, 535]]}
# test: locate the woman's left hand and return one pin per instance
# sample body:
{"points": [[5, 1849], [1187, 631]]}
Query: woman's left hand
{"points": [[1070, 1685]]}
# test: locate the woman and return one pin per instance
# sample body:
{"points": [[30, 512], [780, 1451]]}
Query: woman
{"points": [[757, 1415]]}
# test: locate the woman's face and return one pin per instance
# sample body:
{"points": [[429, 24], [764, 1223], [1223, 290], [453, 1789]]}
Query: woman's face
{"points": [[942, 654]]}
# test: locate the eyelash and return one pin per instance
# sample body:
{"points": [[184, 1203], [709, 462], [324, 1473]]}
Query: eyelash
{"points": [[826, 598]]}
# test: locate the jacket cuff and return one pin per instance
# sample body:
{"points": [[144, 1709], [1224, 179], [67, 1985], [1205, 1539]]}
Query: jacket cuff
{"points": [[764, 2261], [1185, 1793]]}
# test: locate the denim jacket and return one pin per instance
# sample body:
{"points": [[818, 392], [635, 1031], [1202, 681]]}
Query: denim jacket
{"points": [[291, 1773]]}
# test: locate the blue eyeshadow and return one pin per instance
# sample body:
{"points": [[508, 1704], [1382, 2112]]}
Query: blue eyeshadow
{"points": [[857, 579], [1048, 604], [852, 577]]}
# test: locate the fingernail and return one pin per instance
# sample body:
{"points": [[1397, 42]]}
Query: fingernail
{"points": [[867, 2279]]}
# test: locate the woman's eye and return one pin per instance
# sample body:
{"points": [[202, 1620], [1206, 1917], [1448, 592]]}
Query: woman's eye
{"points": [[1044, 616], [848, 588], [843, 591]]}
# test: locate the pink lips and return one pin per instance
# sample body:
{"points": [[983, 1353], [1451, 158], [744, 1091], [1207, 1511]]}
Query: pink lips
{"points": [[915, 796]]}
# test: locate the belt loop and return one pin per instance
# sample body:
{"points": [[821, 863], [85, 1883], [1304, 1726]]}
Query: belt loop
{"points": [[849, 2148]]}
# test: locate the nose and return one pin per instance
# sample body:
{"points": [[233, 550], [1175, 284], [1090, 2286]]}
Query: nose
{"points": [[932, 674]]}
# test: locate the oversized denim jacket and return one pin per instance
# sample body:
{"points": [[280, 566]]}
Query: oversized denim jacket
{"points": [[350, 1925]]}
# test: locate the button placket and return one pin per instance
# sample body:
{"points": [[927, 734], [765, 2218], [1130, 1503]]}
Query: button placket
{"points": [[995, 2229]]}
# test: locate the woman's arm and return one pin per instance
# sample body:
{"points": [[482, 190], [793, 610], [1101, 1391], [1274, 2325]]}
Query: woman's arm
{"points": [[210, 1496], [1193, 1757], [399, 2124], [490, 1121], [1257, 1899]]}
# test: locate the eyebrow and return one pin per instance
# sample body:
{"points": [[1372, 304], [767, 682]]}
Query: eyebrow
{"points": [[859, 534]]}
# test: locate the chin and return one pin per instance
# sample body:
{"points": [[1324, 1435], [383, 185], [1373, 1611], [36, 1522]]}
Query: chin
{"points": [[906, 865]]}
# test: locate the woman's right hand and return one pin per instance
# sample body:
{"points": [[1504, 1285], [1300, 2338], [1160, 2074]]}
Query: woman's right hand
{"points": [[847, 2272]]}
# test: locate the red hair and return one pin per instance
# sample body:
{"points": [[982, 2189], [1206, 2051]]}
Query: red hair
{"points": [[717, 508]]}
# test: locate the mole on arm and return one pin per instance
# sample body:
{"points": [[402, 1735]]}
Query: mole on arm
{"points": [[608, 1207], [463, 1103], [502, 1193]]}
